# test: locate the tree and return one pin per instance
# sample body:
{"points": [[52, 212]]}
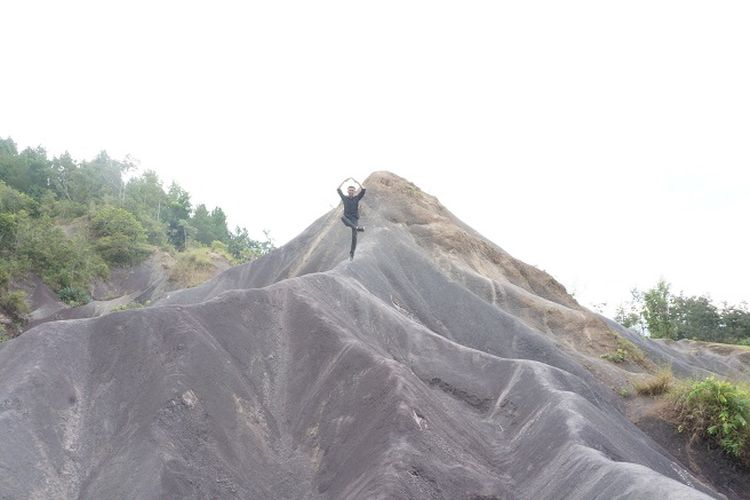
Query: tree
{"points": [[219, 224], [15, 201], [201, 221], [695, 318], [211, 226], [657, 303], [245, 249], [145, 198], [663, 315], [178, 215], [630, 314], [735, 322], [28, 172], [63, 175]]}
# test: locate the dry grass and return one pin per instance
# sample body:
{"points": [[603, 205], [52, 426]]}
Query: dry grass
{"points": [[655, 385], [192, 267], [626, 351]]}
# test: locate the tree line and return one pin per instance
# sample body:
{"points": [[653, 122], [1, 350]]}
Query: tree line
{"points": [[69, 221], [660, 313]]}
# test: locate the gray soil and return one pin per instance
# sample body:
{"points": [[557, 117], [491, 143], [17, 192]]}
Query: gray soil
{"points": [[434, 365]]}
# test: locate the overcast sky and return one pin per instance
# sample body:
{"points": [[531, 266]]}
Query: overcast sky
{"points": [[605, 142]]}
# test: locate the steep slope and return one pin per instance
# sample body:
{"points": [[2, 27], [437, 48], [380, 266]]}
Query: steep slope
{"points": [[434, 365]]}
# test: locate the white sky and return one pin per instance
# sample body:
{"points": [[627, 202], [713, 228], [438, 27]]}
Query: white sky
{"points": [[605, 142]]}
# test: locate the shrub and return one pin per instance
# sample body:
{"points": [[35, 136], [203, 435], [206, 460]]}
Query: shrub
{"points": [[129, 307], [718, 410], [3, 335], [74, 296], [6, 271], [44, 249], [119, 237], [626, 350], [14, 305], [15, 201], [656, 384], [618, 356]]}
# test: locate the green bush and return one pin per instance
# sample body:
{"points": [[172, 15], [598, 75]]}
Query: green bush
{"points": [[14, 305], [43, 248], [718, 410], [15, 201], [618, 356], [3, 334], [6, 271], [74, 296], [626, 350], [119, 237]]}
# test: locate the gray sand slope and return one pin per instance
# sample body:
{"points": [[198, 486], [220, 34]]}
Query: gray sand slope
{"points": [[432, 366]]}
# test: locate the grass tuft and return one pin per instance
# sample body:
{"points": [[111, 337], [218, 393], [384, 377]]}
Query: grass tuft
{"points": [[626, 351], [655, 385]]}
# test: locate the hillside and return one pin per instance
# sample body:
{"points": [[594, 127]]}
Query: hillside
{"points": [[82, 238], [434, 365]]}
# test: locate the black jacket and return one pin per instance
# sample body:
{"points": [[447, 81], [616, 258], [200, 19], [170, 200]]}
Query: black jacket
{"points": [[351, 205]]}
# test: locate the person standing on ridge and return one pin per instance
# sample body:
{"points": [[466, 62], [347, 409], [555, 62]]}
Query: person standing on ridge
{"points": [[351, 210]]}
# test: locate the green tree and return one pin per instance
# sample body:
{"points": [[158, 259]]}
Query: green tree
{"points": [[145, 198], [219, 223], [15, 201], [695, 318], [98, 179], [64, 172], [735, 322], [657, 314], [630, 314], [28, 171], [244, 249], [211, 226], [201, 221], [178, 215], [664, 315], [8, 229]]}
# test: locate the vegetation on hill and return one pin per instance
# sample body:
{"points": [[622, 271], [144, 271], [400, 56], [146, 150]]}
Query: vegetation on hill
{"points": [[662, 314], [70, 221], [716, 410]]}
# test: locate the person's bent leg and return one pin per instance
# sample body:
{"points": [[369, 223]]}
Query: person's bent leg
{"points": [[349, 222]]}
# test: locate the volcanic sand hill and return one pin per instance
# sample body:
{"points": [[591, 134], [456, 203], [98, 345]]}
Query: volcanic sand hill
{"points": [[434, 365]]}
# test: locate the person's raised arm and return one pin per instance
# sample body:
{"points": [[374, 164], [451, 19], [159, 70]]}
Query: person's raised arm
{"points": [[361, 192], [338, 189]]}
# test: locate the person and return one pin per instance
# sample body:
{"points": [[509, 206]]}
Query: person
{"points": [[351, 210]]}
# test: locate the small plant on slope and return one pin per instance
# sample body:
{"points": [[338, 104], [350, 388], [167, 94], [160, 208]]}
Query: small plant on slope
{"points": [[718, 410]]}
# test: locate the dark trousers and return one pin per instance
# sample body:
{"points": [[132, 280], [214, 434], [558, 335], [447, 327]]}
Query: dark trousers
{"points": [[353, 223]]}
